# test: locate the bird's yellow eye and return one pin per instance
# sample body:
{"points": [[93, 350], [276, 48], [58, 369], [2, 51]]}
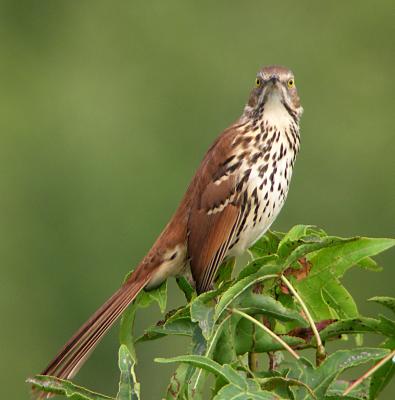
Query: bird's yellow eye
{"points": [[258, 82], [291, 83]]}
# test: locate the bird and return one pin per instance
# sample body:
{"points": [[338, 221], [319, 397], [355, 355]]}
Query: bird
{"points": [[231, 201]]}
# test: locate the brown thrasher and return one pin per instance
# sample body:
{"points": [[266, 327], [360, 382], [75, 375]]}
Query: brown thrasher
{"points": [[232, 200]]}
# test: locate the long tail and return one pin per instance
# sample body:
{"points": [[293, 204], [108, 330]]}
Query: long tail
{"points": [[75, 352]]}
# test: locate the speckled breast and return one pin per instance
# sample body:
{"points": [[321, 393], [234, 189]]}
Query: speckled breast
{"points": [[264, 180]]}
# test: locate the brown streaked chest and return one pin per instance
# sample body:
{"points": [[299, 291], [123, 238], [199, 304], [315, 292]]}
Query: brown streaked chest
{"points": [[264, 153]]}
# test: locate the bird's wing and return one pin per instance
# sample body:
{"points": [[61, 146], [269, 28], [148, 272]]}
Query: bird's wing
{"points": [[214, 216]]}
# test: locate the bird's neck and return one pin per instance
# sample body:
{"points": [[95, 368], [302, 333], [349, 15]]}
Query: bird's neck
{"points": [[273, 121]]}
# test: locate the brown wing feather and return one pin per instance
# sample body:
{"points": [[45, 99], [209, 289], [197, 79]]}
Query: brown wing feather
{"points": [[208, 242], [214, 215]]}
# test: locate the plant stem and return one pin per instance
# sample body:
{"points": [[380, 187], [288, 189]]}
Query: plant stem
{"points": [[267, 330], [253, 361], [369, 372], [272, 360], [320, 347]]}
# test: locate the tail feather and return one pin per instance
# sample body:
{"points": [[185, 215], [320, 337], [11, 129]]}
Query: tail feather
{"points": [[74, 353], [90, 341], [67, 349]]}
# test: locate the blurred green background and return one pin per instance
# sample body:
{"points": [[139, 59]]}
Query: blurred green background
{"points": [[106, 110]]}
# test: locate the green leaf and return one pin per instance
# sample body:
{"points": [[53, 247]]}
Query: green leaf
{"points": [[253, 303], [369, 264], [219, 345], [294, 234], [266, 245], [252, 392], [340, 258], [54, 385], [159, 295], [150, 334], [181, 326], [186, 287], [355, 326], [250, 338], [328, 265], [337, 388], [197, 376], [319, 379], [387, 326], [317, 243], [225, 271], [181, 312], [340, 300], [129, 388], [297, 236], [126, 327], [178, 383], [159, 330], [258, 263], [388, 302], [281, 384], [144, 299], [222, 345], [384, 374], [202, 311], [199, 343], [226, 372], [264, 273]]}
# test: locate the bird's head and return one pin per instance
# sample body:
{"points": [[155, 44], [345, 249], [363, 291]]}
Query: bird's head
{"points": [[274, 86]]}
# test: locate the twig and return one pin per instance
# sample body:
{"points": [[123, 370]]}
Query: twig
{"points": [[369, 372], [267, 330], [320, 347], [253, 361], [272, 360]]}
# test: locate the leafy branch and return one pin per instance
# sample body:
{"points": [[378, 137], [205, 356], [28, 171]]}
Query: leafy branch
{"points": [[288, 298]]}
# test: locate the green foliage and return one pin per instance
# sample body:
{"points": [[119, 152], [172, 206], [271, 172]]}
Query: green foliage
{"points": [[319, 379], [50, 384], [384, 374], [144, 299], [255, 313], [129, 388]]}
